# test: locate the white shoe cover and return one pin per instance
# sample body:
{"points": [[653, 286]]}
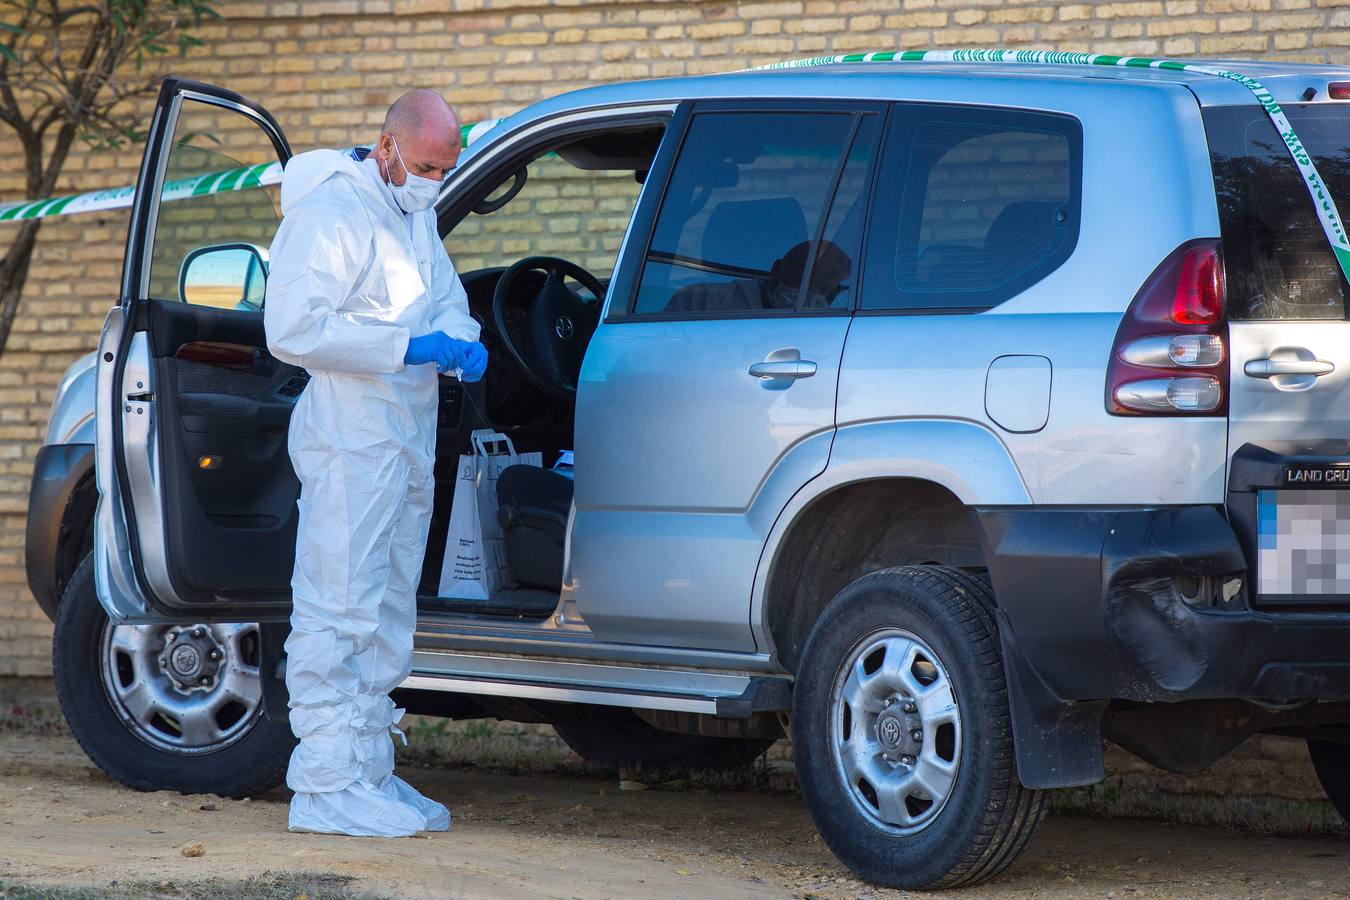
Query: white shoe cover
{"points": [[355, 810], [436, 815]]}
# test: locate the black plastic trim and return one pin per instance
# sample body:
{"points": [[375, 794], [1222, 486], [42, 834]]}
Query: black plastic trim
{"points": [[58, 471], [1089, 612], [762, 694]]}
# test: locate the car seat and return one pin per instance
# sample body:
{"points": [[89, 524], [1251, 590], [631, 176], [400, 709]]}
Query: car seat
{"points": [[532, 508]]}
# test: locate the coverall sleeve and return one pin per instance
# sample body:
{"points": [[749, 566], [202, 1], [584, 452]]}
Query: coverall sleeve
{"points": [[316, 258], [450, 312]]}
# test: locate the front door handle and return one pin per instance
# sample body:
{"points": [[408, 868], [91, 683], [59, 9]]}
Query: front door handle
{"points": [[783, 368]]}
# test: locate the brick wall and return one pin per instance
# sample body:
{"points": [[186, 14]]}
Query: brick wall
{"points": [[328, 70]]}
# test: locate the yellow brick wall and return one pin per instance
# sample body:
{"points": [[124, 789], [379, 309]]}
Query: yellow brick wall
{"points": [[329, 68]]}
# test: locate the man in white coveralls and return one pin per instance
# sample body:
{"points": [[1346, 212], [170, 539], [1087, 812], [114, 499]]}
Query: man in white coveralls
{"points": [[362, 294]]}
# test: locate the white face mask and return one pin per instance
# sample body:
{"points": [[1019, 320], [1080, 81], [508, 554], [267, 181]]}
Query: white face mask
{"points": [[415, 193]]}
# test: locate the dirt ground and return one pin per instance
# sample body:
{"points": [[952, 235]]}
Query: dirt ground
{"points": [[63, 823]]}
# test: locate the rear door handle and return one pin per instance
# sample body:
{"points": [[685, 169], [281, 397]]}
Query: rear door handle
{"points": [[783, 368], [1271, 368]]}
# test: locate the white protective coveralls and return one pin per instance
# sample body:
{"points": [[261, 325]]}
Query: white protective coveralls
{"points": [[352, 279]]}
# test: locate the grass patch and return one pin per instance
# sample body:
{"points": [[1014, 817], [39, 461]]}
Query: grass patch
{"points": [[1121, 798], [511, 748], [40, 718], [267, 886]]}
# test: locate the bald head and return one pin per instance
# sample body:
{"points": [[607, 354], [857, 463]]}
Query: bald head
{"points": [[423, 130]]}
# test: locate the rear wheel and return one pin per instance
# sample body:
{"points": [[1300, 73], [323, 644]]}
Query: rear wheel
{"points": [[166, 707], [902, 733], [1332, 762], [615, 738]]}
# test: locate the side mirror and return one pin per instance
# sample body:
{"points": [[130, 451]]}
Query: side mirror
{"points": [[226, 276]]}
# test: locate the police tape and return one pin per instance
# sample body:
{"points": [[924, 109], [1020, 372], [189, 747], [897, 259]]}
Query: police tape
{"points": [[239, 179], [270, 173], [1327, 214]]}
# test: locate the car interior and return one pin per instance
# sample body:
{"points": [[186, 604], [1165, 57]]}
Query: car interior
{"points": [[538, 315], [225, 403]]}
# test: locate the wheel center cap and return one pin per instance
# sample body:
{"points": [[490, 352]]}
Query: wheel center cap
{"points": [[185, 660], [890, 731]]}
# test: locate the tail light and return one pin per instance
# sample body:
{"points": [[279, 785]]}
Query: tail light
{"points": [[1171, 350]]}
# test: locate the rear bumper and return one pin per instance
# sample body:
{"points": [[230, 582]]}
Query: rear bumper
{"points": [[57, 471], [1090, 610], [1089, 602]]}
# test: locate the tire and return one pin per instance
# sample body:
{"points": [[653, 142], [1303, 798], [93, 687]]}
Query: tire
{"points": [[895, 642], [1331, 760], [223, 745], [615, 738]]}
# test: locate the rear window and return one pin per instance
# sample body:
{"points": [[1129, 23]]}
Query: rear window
{"points": [[1277, 261], [974, 205]]}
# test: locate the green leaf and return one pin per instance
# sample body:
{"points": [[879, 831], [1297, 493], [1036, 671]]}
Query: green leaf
{"points": [[8, 53], [10, 27]]}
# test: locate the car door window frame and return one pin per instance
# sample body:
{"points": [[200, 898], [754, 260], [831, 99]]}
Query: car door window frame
{"points": [[145, 219], [627, 277], [896, 152]]}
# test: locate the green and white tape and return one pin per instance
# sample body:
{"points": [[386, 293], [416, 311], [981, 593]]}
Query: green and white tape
{"points": [[1327, 213], [270, 173], [179, 189]]}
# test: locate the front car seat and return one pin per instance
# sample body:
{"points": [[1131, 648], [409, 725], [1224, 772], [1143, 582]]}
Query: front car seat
{"points": [[532, 508]]}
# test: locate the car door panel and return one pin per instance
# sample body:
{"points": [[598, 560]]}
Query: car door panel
{"points": [[674, 532], [706, 399], [197, 408]]}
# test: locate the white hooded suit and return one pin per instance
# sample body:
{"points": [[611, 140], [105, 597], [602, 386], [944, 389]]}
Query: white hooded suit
{"points": [[352, 279]]}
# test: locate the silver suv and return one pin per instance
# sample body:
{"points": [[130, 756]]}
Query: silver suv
{"points": [[945, 418]]}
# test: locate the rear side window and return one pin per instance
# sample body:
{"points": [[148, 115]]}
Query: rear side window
{"points": [[1277, 262], [973, 206], [762, 215]]}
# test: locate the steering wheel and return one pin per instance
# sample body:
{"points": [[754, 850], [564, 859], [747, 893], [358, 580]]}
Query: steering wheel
{"points": [[558, 324]]}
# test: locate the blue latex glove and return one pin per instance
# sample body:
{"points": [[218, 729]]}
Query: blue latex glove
{"points": [[474, 362], [435, 348]]}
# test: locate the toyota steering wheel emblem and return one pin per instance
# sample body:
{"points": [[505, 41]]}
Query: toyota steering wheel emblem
{"points": [[565, 328]]}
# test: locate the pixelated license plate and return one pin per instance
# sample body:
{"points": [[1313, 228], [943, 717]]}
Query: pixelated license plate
{"points": [[1303, 547]]}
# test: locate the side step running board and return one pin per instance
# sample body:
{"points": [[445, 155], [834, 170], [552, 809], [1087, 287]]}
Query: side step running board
{"points": [[727, 695]]}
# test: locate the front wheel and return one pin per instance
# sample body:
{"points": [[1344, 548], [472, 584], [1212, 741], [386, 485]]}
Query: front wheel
{"points": [[902, 734], [165, 707]]}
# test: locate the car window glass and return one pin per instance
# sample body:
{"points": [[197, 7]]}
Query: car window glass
{"points": [[740, 212], [204, 243], [1277, 261], [975, 206]]}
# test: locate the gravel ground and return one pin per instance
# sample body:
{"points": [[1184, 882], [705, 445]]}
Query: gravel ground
{"points": [[66, 831]]}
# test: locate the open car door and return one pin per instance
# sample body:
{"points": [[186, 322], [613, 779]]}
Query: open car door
{"points": [[197, 508]]}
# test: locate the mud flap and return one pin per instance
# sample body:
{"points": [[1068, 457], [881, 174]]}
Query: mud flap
{"points": [[1058, 743]]}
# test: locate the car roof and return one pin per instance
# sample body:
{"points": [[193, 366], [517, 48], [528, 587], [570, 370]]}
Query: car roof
{"points": [[1288, 82]]}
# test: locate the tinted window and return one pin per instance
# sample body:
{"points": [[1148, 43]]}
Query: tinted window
{"points": [[738, 227], [973, 207], [1277, 261]]}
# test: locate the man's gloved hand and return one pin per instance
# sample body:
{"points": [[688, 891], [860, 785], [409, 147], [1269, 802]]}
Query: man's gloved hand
{"points": [[436, 347], [448, 353], [474, 362]]}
